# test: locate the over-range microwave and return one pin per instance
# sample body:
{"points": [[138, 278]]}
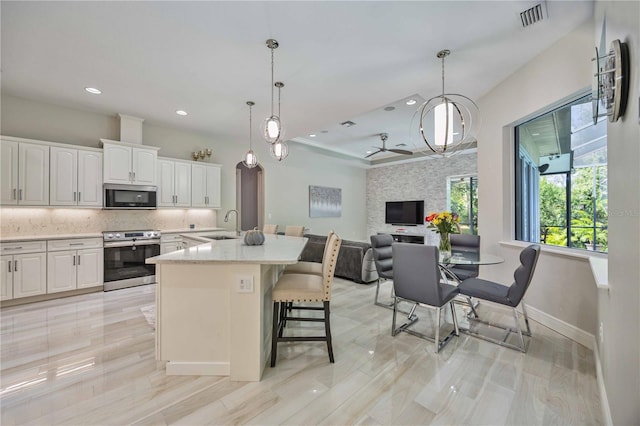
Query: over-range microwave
{"points": [[130, 197]]}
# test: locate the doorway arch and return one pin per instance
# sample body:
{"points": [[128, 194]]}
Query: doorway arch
{"points": [[250, 196]]}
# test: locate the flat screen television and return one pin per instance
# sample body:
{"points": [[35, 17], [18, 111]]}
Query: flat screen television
{"points": [[404, 212]]}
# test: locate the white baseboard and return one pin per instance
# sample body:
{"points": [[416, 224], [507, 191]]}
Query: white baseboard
{"points": [[564, 328], [604, 401], [177, 368]]}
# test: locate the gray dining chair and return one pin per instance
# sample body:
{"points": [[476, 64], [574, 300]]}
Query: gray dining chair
{"points": [[467, 243], [417, 280], [383, 259], [505, 295]]}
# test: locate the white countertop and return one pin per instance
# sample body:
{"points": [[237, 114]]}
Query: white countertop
{"points": [[50, 237], [277, 249], [190, 230]]}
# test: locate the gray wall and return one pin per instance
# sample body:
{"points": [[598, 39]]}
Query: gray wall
{"points": [[619, 309], [286, 183], [420, 180]]}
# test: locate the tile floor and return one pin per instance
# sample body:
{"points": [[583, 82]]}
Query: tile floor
{"points": [[89, 360]]}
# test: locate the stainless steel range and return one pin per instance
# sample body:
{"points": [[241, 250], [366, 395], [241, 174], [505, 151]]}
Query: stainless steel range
{"points": [[125, 253]]}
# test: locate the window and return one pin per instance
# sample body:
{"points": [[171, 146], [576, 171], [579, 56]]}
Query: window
{"points": [[561, 178], [463, 199]]}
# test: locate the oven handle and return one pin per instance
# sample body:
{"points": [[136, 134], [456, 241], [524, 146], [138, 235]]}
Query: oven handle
{"points": [[131, 243]]}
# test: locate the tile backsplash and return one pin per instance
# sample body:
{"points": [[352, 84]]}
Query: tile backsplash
{"points": [[19, 222]]}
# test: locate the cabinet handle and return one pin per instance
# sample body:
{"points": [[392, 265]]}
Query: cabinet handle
{"points": [[79, 193], [78, 260], [15, 196], [74, 261], [206, 199], [15, 266], [9, 264], [74, 196], [13, 248], [19, 194], [76, 244], [134, 176]]}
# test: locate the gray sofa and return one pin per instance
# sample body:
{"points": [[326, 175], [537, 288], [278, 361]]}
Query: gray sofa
{"points": [[355, 259]]}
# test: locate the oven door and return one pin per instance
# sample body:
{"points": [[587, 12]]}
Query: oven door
{"points": [[124, 263], [130, 197]]}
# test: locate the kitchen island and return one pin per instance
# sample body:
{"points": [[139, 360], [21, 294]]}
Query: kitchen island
{"points": [[214, 308]]}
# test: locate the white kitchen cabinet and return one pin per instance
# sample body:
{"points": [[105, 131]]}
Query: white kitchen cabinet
{"points": [[25, 174], [205, 185], [129, 163], [24, 269], [174, 183], [73, 264], [76, 177], [171, 242]]}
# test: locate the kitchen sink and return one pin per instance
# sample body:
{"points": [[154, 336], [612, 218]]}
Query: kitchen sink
{"points": [[218, 237]]}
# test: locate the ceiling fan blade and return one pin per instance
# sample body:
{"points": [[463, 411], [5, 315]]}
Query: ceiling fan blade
{"points": [[373, 153], [401, 151]]}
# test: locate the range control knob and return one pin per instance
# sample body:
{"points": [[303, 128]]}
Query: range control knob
{"points": [[156, 234], [117, 235], [109, 236]]}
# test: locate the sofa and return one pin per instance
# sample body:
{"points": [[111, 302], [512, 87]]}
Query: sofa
{"points": [[355, 259]]}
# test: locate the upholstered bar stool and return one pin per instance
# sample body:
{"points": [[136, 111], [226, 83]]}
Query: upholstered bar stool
{"points": [[270, 229], [309, 267], [305, 288], [294, 231]]}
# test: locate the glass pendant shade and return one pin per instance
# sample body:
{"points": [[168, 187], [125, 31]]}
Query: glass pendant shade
{"points": [[272, 129], [279, 150], [250, 159], [448, 122]]}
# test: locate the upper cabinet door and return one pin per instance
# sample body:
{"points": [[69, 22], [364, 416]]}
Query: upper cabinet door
{"points": [[166, 193], [8, 173], [182, 184], [64, 176], [89, 178], [198, 185], [33, 175], [117, 164], [144, 166], [213, 186]]}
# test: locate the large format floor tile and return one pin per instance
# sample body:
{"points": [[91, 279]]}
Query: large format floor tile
{"points": [[90, 359]]}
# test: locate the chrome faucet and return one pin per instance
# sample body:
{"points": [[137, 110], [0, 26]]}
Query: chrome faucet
{"points": [[226, 219]]}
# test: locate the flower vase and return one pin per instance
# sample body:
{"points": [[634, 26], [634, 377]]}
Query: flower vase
{"points": [[445, 245]]}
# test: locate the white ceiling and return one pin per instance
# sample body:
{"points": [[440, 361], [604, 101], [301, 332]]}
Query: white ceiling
{"points": [[339, 60]]}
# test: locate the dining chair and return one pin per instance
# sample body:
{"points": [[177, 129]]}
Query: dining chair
{"points": [[294, 231], [416, 279], [270, 229], [505, 295], [305, 288], [469, 243], [303, 267], [383, 259]]}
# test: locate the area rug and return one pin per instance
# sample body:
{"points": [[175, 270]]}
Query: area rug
{"points": [[149, 313]]}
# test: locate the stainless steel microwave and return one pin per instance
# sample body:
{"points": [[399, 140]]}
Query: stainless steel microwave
{"points": [[130, 197]]}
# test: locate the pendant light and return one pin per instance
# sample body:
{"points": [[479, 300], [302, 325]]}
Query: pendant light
{"points": [[279, 149], [272, 125], [448, 122], [250, 159]]}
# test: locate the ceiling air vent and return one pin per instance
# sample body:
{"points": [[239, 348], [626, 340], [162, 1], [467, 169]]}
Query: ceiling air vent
{"points": [[533, 15], [348, 124]]}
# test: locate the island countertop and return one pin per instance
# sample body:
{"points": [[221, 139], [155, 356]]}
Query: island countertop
{"points": [[277, 249]]}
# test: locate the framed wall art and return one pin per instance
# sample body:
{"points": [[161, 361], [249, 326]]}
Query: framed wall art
{"points": [[325, 202]]}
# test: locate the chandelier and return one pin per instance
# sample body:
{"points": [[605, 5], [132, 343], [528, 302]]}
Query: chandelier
{"points": [[448, 122]]}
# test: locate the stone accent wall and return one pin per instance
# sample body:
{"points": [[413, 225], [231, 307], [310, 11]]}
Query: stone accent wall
{"points": [[421, 180]]}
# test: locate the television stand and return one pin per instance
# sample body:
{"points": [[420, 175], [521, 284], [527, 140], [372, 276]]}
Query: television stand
{"points": [[408, 238]]}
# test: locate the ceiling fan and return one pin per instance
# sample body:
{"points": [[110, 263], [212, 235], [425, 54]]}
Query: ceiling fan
{"points": [[384, 137]]}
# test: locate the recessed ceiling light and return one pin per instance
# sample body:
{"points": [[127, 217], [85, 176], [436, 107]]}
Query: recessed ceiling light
{"points": [[312, 135], [411, 102], [369, 152], [93, 90], [181, 112]]}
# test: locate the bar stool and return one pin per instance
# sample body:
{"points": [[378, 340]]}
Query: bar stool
{"points": [[307, 288], [294, 231], [314, 268], [270, 229]]}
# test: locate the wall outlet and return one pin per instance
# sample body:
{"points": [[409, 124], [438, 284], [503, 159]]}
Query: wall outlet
{"points": [[245, 284]]}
